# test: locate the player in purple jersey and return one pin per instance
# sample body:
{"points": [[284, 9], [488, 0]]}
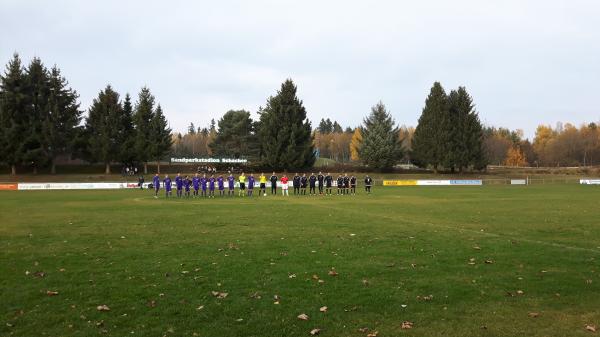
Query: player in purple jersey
{"points": [[211, 186], [167, 183], [250, 184], [186, 184], [179, 185], [156, 183], [203, 182], [221, 184], [231, 184], [196, 184]]}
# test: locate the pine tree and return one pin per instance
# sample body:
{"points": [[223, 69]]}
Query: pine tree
{"points": [[143, 116], [285, 132], [236, 137], [337, 128], [191, 129], [467, 132], [37, 91], [428, 144], [128, 152], [62, 117], [161, 137], [355, 145], [380, 147], [13, 121], [102, 128]]}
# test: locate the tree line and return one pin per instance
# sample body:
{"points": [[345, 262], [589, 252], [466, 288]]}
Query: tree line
{"points": [[41, 120]]}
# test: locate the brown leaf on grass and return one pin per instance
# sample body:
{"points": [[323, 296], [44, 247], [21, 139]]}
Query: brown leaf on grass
{"points": [[276, 299], [588, 281], [151, 304], [103, 307], [256, 295], [219, 294], [373, 334], [303, 317], [489, 261], [51, 293], [590, 328], [39, 274], [407, 325], [520, 292], [315, 332], [332, 272], [476, 247], [291, 275], [365, 282], [533, 314], [323, 309], [363, 330], [315, 277]]}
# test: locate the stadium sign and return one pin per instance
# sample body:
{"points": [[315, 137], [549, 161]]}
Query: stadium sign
{"points": [[209, 160], [432, 182]]}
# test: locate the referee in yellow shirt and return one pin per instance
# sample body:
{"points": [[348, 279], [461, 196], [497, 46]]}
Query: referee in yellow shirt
{"points": [[242, 181], [263, 184]]}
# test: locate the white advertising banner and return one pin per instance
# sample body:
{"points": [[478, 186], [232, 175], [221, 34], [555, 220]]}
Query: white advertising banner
{"points": [[589, 181], [518, 182], [433, 182], [74, 186]]}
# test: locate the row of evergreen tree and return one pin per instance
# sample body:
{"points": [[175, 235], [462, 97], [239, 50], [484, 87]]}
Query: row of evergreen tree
{"points": [[40, 120]]}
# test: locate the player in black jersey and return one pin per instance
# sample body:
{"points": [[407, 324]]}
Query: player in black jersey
{"points": [[303, 182], [340, 184], [312, 182], [328, 183], [296, 183], [346, 184], [368, 183], [353, 185], [320, 179]]}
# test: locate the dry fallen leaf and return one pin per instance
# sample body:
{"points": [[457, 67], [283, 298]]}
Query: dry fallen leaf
{"points": [[407, 325], [103, 307], [151, 304], [303, 317], [520, 292], [200, 307], [51, 293], [323, 309], [332, 272], [373, 334], [363, 330], [39, 274], [315, 277], [533, 314], [219, 294], [315, 332], [489, 261], [591, 328]]}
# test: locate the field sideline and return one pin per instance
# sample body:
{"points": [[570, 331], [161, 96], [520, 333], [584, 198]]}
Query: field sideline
{"points": [[453, 261]]}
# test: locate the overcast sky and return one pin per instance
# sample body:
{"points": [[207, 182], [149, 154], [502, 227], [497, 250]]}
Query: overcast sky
{"points": [[525, 62]]}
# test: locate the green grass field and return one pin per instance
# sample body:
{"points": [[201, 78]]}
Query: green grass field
{"points": [[454, 261]]}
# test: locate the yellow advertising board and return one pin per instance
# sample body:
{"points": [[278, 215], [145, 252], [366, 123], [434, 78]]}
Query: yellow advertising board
{"points": [[399, 183]]}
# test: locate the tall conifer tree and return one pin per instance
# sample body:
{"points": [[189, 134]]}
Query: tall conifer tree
{"points": [[380, 147], [160, 134], [285, 133], [144, 110], [13, 121], [428, 141]]}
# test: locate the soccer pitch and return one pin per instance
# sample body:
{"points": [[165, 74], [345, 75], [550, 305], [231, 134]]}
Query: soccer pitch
{"points": [[453, 261]]}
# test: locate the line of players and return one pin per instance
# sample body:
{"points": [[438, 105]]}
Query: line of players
{"points": [[203, 186]]}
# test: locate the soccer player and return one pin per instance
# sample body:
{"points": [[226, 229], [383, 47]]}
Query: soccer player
{"points": [[179, 185], [303, 181], [273, 180], [231, 184], [328, 183], [312, 182], [340, 184], [211, 186], [368, 183], [221, 184], [284, 185], [242, 181], [263, 184], [296, 183], [346, 184], [203, 182], [186, 185], [250, 185], [167, 183], [353, 184], [196, 184], [156, 183], [320, 179]]}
